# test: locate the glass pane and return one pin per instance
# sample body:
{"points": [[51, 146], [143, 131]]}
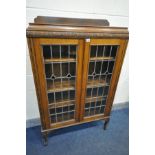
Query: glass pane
{"points": [[46, 52], [53, 118], [114, 50], [60, 70], [93, 51], [55, 50], [65, 116], [100, 51], [73, 51], [107, 51], [64, 51], [102, 61]]}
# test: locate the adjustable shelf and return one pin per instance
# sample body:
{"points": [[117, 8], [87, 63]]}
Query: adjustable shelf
{"points": [[94, 99], [61, 104], [54, 60], [96, 83], [70, 85], [101, 58], [60, 86]]}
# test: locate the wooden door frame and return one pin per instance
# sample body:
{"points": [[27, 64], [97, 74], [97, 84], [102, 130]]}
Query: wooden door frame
{"points": [[115, 75], [39, 75]]}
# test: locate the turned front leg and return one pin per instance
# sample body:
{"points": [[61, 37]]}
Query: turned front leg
{"points": [[106, 123], [45, 138]]}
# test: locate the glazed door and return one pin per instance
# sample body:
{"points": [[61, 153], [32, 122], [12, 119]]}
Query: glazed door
{"points": [[101, 60], [60, 70]]}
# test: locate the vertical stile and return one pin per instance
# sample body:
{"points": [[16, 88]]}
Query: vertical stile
{"points": [[68, 114], [99, 77], [61, 80], [93, 80]]}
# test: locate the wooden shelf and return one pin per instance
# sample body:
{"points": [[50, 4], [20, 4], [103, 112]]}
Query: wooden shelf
{"points": [[96, 83], [101, 58], [74, 59], [61, 104], [58, 86], [59, 60], [93, 99], [70, 85]]}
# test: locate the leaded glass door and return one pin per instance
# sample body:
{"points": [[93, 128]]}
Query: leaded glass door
{"points": [[62, 64], [100, 59]]}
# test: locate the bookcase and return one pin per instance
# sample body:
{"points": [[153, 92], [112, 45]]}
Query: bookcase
{"points": [[76, 65]]}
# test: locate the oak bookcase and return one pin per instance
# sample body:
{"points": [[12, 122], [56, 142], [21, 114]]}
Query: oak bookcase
{"points": [[76, 65]]}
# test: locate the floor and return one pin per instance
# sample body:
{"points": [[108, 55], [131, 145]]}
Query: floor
{"points": [[86, 139]]}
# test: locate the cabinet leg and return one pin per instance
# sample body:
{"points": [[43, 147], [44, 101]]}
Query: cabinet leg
{"points": [[45, 138], [106, 123]]}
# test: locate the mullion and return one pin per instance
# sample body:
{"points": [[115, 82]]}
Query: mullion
{"points": [[55, 106], [91, 91], [68, 114], [51, 50], [93, 76], [68, 65], [108, 65], [61, 72], [106, 74], [52, 71], [60, 50], [99, 78], [75, 74], [114, 63]]}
